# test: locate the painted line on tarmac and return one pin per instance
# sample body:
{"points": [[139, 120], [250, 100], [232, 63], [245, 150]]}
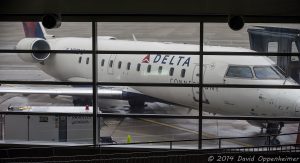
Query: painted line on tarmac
{"points": [[195, 132]]}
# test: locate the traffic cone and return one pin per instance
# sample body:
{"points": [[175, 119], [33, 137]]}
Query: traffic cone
{"points": [[128, 139]]}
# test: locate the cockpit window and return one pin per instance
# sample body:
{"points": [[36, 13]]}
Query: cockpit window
{"points": [[239, 72], [266, 72]]}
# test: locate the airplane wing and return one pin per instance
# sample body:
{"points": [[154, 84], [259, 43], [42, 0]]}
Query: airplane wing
{"points": [[115, 92], [103, 92]]}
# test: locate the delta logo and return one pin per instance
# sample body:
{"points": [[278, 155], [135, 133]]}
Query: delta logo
{"points": [[146, 59], [168, 59]]}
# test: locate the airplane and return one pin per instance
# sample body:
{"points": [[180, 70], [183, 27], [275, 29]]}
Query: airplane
{"points": [[163, 68]]}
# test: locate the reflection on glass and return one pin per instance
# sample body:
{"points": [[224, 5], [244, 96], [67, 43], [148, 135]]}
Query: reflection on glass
{"points": [[259, 37], [239, 71], [266, 73]]}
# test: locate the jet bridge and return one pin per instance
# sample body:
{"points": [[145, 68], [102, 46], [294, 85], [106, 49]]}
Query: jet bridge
{"points": [[278, 40]]}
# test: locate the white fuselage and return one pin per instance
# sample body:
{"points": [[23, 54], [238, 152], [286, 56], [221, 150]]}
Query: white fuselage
{"points": [[124, 68]]}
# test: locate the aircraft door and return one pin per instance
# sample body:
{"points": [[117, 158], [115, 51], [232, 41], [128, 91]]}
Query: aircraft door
{"points": [[111, 63], [195, 80]]}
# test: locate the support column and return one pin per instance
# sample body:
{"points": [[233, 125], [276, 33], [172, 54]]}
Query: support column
{"points": [[95, 85], [200, 87]]}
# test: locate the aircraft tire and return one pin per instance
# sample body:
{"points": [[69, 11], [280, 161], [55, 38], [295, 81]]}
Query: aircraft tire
{"points": [[82, 101], [275, 141], [136, 103], [76, 102]]}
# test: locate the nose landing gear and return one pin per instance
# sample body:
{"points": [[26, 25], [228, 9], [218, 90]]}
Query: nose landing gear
{"points": [[273, 130]]}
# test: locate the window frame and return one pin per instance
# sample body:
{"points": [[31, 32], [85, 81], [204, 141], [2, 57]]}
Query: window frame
{"points": [[281, 76], [235, 77]]}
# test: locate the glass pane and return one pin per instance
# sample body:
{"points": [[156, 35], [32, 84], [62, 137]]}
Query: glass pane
{"points": [[240, 72], [266, 73], [255, 37], [187, 33], [144, 130]]}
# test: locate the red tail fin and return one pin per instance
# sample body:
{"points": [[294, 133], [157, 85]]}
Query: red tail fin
{"points": [[33, 29]]}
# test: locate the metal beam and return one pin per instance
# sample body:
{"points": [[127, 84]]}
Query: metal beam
{"points": [[95, 85], [200, 86], [154, 7], [158, 116]]}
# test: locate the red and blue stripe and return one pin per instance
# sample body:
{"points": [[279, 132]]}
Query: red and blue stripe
{"points": [[33, 29]]}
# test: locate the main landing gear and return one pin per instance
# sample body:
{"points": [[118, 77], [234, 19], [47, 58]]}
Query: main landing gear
{"points": [[82, 101], [273, 130], [136, 105]]}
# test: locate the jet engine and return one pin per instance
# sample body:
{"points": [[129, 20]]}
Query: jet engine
{"points": [[33, 44], [261, 124]]}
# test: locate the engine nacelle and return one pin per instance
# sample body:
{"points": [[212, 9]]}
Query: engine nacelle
{"points": [[33, 44], [261, 124]]}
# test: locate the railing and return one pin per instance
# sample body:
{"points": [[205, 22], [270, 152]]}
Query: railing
{"points": [[81, 154], [266, 147], [168, 116]]}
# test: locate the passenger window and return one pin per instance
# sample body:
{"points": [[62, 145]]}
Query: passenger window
{"points": [[239, 72], [111, 63], [266, 72], [80, 59], [182, 74], [102, 62], [128, 65], [87, 60], [171, 71], [159, 69], [138, 67], [149, 68], [119, 64]]}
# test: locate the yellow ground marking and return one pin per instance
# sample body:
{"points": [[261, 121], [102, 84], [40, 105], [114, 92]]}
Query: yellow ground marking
{"points": [[195, 132]]}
